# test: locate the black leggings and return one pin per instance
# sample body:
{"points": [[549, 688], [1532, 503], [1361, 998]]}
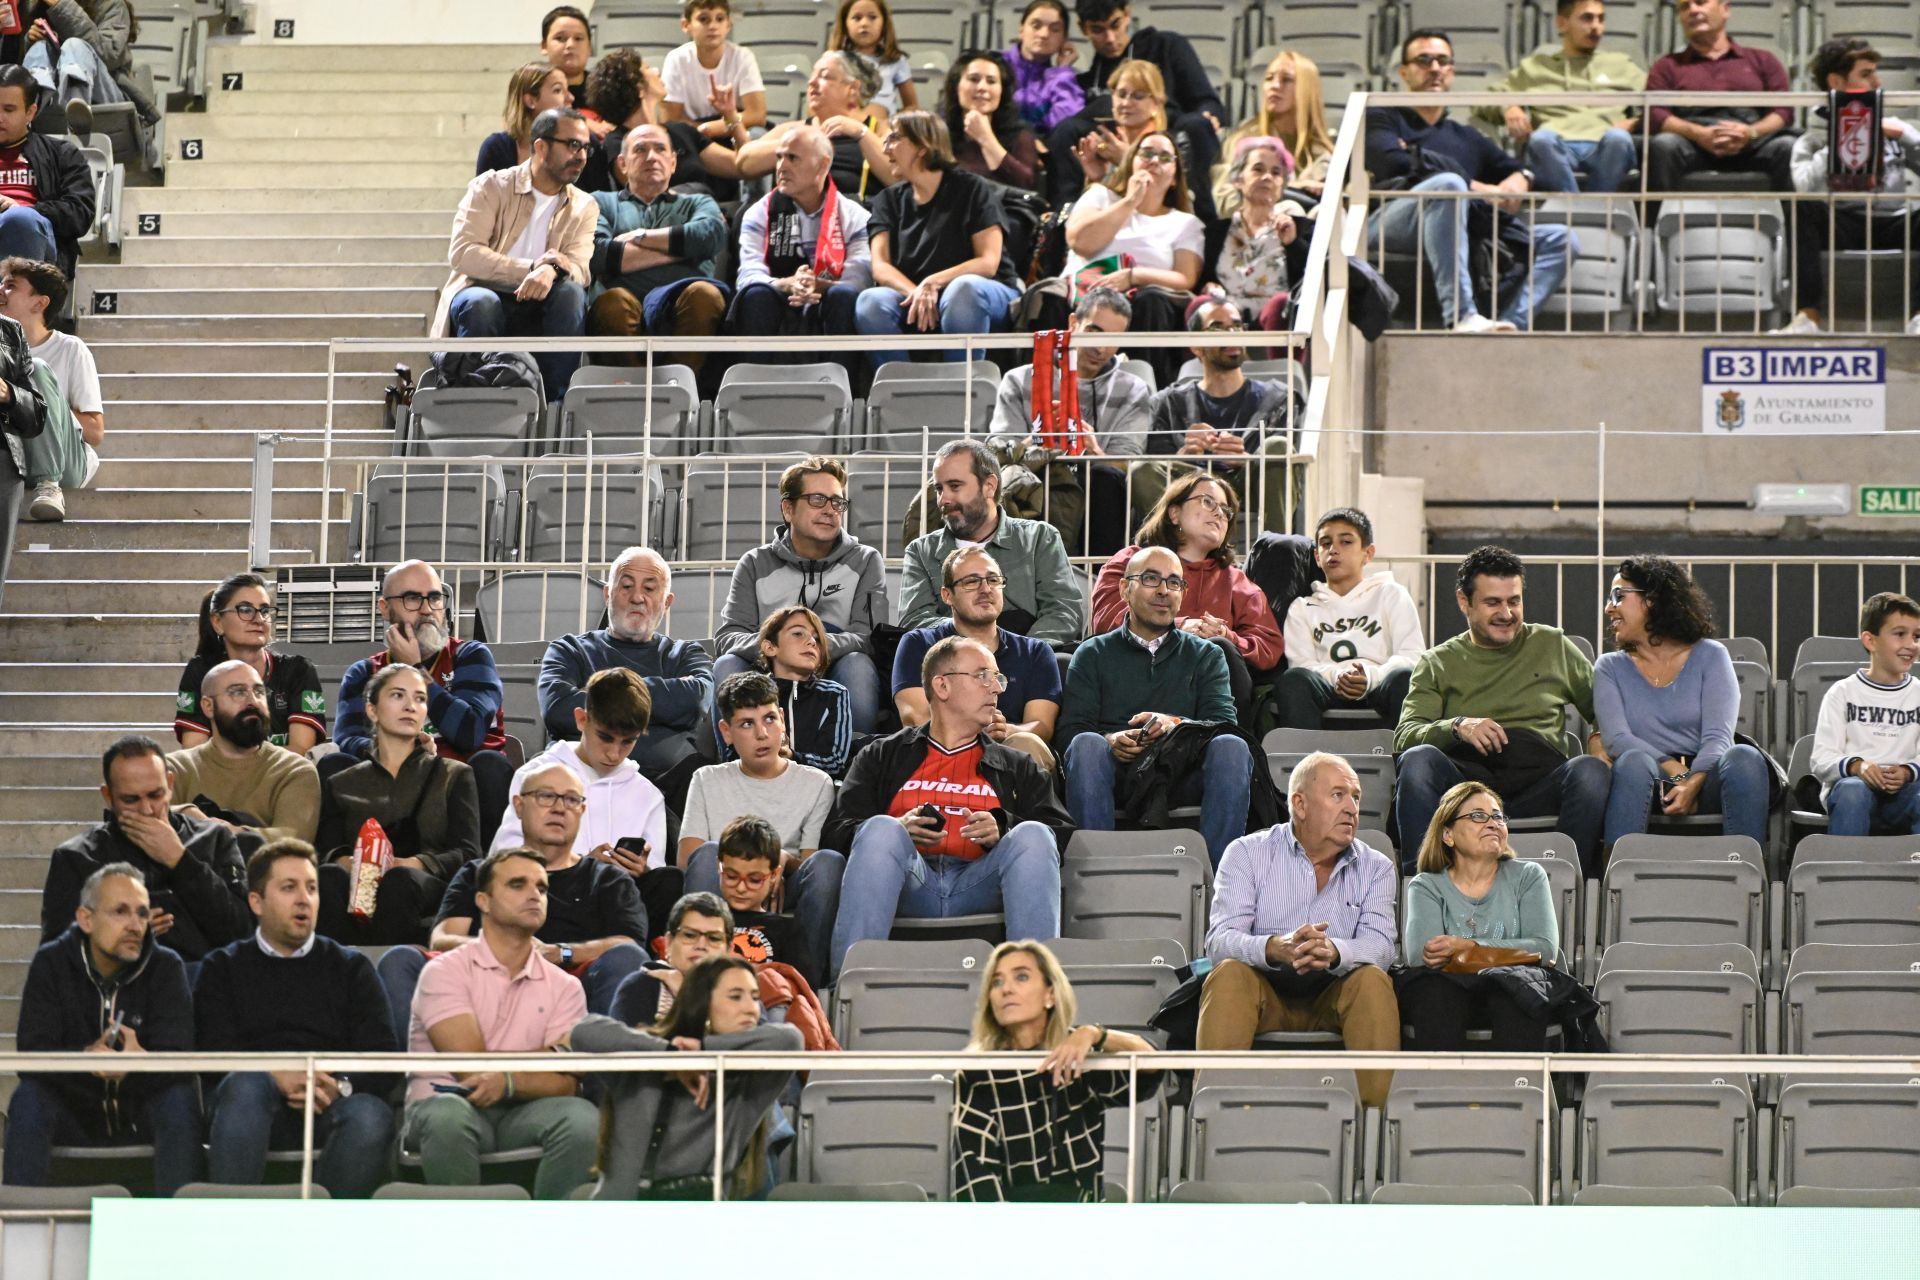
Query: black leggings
{"points": [[1437, 1010]]}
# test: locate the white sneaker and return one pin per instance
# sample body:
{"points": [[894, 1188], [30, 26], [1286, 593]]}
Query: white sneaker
{"points": [[48, 502], [1477, 323], [1913, 326], [1801, 326]]}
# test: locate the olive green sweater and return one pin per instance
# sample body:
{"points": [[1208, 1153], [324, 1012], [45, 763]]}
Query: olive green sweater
{"points": [[1523, 686], [273, 784]]}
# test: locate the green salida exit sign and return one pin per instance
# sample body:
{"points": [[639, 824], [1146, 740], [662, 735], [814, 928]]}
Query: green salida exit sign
{"points": [[1890, 499]]}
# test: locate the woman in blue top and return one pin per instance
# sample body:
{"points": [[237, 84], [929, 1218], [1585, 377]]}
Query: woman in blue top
{"points": [[1471, 889], [1666, 704]]}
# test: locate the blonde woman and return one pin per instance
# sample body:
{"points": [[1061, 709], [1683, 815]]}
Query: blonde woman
{"points": [[1036, 1134], [1292, 110], [1471, 890], [1139, 108], [535, 87]]}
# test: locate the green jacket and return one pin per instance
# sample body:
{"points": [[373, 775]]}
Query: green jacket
{"points": [[1549, 70], [1032, 558], [699, 233], [1526, 685], [1113, 678]]}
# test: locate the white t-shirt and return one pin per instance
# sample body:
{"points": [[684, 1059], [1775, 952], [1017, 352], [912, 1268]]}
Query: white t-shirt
{"points": [[1151, 240], [72, 363], [686, 79], [533, 241]]}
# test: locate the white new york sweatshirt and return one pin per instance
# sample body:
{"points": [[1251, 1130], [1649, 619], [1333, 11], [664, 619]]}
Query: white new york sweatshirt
{"points": [[1375, 624], [1861, 720]]}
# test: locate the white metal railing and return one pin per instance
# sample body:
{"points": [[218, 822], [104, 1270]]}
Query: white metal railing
{"points": [[890, 1063]]}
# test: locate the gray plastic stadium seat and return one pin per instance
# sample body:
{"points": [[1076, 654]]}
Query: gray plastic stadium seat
{"points": [[1647, 847], [571, 513], [880, 492], [849, 1192], [919, 407], [699, 596], [905, 1008], [1849, 1197], [1843, 957], [1142, 370], [1858, 1012], [610, 404], [1657, 998], [1805, 810], [537, 606], [1847, 1135], [1719, 257], [647, 26], [422, 1191], [1148, 1140], [1368, 751], [1466, 1193], [1489, 1133], [465, 422], [1755, 717], [1604, 276], [728, 507], [1136, 895], [1853, 902], [515, 1166], [1563, 876], [1125, 996], [247, 1191], [1122, 951], [957, 955], [853, 1131], [1259, 1134], [1830, 649], [1709, 1197], [518, 662], [1197, 1192], [1831, 848], [440, 516], [1666, 1135], [1807, 687], [1748, 649], [1683, 902], [776, 408]]}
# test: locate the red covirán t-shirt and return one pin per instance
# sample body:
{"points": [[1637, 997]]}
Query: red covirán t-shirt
{"points": [[951, 781]]}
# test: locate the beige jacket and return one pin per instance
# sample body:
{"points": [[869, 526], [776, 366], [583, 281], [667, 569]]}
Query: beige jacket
{"points": [[491, 217]]}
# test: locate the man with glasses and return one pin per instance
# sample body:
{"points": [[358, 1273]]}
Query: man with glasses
{"points": [[251, 784], [1490, 706], [1042, 599], [466, 715], [700, 925], [1025, 713], [761, 782], [595, 924], [812, 561], [1418, 149], [1743, 139], [944, 821], [653, 254], [523, 247], [1220, 420], [1128, 688]]}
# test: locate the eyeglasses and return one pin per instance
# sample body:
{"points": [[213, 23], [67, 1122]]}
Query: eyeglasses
{"points": [[248, 612], [1618, 596], [821, 501], [1155, 155], [557, 799], [578, 146], [1154, 581], [1211, 504], [985, 675], [1481, 817], [974, 581], [1225, 326], [237, 691], [1432, 59], [757, 880], [690, 935], [415, 599]]}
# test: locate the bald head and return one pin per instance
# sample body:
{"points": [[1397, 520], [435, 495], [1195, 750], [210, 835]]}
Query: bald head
{"points": [[227, 673], [800, 166], [1153, 588], [234, 700], [552, 777], [647, 156]]}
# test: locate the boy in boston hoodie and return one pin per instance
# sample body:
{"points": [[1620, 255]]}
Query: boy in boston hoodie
{"points": [[1353, 640]]}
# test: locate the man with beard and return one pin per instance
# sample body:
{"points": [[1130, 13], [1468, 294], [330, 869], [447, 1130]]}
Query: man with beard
{"points": [[678, 673], [523, 248], [252, 784], [465, 703], [1042, 599], [193, 869]]}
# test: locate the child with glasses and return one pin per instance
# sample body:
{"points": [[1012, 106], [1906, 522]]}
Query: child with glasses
{"points": [[753, 886]]}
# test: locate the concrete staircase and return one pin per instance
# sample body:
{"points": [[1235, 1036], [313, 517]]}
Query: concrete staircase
{"points": [[321, 208]]}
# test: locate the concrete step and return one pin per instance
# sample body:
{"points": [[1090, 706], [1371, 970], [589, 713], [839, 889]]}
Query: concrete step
{"points": [[418, 250], [479, 99], [446, 149], [22, 871], [208, 567], [84, 677], [346, 277], [188, 503], [130, 534], [239, 386], [408, 58], [297, 197], [233, 357], [313, 301], [29, 595], [235, 447], [242, 417], [22, 906], [377, 128], [57, 638], [382, 222], [289, 473], [149, 708], [359, 84], [18, 942], [225, 328]]}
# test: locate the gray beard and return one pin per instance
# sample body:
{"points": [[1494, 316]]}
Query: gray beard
{"points": [[431, 639]]}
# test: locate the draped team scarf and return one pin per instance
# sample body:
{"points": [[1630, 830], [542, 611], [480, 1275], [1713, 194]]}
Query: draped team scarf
{"points": [[1855, 154], [830, 250], [1056, 394]]}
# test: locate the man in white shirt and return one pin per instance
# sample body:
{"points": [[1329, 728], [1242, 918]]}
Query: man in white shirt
{"points": [[65, 455]]}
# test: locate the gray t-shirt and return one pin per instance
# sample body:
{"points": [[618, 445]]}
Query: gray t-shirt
{"points": [[796, 802]]}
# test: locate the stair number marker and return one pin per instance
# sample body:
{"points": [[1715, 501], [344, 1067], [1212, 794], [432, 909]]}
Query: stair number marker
{"points": [[106, 304], [233, 81], [283, 28], [149, 224], [191, 148]]}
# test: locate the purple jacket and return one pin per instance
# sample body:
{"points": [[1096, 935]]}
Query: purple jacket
{"points": [[1045, 94]]}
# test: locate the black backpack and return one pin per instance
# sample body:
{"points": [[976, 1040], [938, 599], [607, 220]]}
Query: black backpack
{"points": [[484, 369]]}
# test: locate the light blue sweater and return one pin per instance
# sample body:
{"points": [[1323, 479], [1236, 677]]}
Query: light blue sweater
{"points": [[1693, 717], [1516, 912]]}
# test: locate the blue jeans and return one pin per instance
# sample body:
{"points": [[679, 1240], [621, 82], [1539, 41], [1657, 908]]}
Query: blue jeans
{"points": [[970, 304], [887, 876], [1737, 787], [80, 73], [762, 311], [813, 898], [1575, 793], [1856, 809], [479, 311], [399, 972], [1221, 786], [1438, 229], [26, 233], [250, 1115], [854, 670], [1557, 162], [39, 1119]]}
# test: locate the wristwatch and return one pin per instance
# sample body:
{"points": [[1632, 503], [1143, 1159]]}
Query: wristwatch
{"points": [[1455, 726], [566, 956]]}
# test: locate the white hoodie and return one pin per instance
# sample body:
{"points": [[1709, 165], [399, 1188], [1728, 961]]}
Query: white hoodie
{"points": [[1375, 624], [619, 805]]}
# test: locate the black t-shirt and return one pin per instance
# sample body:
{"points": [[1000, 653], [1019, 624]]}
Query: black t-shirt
{"points": [[590, 899], [294, 696], [760, 936], [930, 237]]}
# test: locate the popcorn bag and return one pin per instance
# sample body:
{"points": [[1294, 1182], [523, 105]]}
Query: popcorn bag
{"points": [[372, 856]]}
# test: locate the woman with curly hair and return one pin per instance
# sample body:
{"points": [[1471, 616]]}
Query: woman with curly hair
{"points": [[984, 122], [1665, 703]]}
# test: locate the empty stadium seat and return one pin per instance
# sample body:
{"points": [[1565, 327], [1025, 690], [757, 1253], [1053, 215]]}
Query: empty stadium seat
{"points": [[1125, 996], [1666, 1135], [904, 1192], [1197, 1192], [1703, 1196], [1492, 1132], [1829, 649], [1110, 888], [880, 490], [916, 407], [1746, 648], [1683, 902], [1145, 1148], [699, 596], [1830, 848], [592, 514], [1848, 1136], [536, 606], [1554, 852], [729, 507], [425, 1191], [1807, 686], [1853, 902], [1720, 257], [1862, 1012], [1685, 998], [955, 954], [1268, 1134], [1755, 717], [248, 1191], [465, 422], [1604, 278], [877, 1131], [518, 663], [1471, 1193], [904, 1009], [1368, 751], [1121, 951], [443, 516], [610, 403], [783, 407]]}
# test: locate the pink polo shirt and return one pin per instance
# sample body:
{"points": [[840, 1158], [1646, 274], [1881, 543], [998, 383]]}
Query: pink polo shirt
{"points": [[521, 1012]]}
